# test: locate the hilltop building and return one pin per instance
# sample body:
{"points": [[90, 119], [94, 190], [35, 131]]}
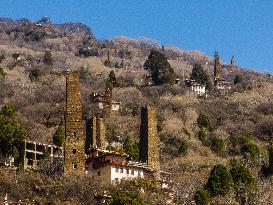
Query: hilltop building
{"points": [[220, 84], [104, 102], [195, 88]]}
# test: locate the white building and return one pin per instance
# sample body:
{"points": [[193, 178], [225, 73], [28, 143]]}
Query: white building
{"points": [[196, 88], [113, 166], [223, 86], [101, 102]]}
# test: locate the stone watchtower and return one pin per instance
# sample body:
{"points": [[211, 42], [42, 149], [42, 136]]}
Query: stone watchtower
{"points": [[149, 145], [74, 150], [97, 133], [232, 60], [217, 67]]}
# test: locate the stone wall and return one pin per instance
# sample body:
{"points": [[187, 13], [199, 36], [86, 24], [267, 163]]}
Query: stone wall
{"points": [[96, 135], [149, 145], [74, 152]]}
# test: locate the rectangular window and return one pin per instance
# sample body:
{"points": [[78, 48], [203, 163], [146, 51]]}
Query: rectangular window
{"points": [[117, 169], [121, 170], [132, 172], [127, 171]]}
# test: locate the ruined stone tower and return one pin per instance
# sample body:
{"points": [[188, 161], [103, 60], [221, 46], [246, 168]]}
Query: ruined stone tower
{"points": [[97, 134], [217, 67], [74, 152], [232, 60], [149, 145]]}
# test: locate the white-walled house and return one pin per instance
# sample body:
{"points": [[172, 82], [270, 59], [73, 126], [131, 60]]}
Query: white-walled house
{"points": [[113, 166]]}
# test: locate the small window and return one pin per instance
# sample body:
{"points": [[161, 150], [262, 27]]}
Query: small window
{"points": [[117, 169], [132, 172], [121, 170], [74, 134], [98, 173], [75, 166], [74, 151], [127, 171], [139, 173]]}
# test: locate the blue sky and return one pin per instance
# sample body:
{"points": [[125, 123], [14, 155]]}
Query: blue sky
{"points": [[240, 27]]}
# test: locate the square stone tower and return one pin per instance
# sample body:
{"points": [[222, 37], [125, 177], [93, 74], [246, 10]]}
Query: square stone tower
{"points": [[74, 150], [97, 132], [149, 145], [217, 67]]}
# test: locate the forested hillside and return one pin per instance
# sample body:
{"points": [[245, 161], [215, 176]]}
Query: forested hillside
{"points": [[196, 133]]}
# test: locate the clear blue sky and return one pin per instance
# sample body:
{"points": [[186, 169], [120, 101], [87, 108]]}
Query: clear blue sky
{"points": [[240, 27]]}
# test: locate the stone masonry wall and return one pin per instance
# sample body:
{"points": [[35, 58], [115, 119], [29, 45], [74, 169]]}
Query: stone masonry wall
{"points": [[74, 152], [149, 146]]}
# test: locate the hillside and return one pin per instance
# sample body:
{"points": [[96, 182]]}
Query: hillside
{"points": [[40, 100]]}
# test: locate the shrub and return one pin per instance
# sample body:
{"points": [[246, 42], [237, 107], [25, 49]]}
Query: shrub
{"points": [[124, 197], [218, 145], [203, 136], [2, 72], [183, 148], [237, 79], [220, 181], [250, 149], [244, 183], [34, 74], [241, 175], [131, 148], [48, 60], [58, 137], [202, 197], [203, 121], [8, 111]]}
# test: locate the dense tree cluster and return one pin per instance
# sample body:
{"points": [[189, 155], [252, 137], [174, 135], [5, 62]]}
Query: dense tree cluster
{"points": [[11, 132]]}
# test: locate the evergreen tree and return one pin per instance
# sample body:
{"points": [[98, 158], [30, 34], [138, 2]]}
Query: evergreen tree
{"points": [[58, 137], [11, 132], [200, 75], [220, 181], [48, 60], [237, 79], [160, 68]]}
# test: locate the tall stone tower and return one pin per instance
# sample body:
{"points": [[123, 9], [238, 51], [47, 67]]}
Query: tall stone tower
{"points": [[149, 145], [217, 67], [97, 133], [74, 150], [232, 60]]}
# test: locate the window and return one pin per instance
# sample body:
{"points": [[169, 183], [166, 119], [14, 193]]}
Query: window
{"points": [[98, 173], [139, 173], [75, 166], [117, 169], [74, 151], [127, 171], [132, 172], [74, 134], [121, 170]]}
